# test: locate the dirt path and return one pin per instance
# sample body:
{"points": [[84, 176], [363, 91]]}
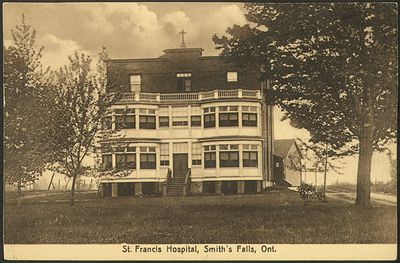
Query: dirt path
{"points": [[375, 198]]}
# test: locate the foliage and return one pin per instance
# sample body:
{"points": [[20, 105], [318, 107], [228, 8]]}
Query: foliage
{"points": [[317, 157], [26, 115], [393, 168], [384, 187], [332, 69], [81, 103], [308, 192]]}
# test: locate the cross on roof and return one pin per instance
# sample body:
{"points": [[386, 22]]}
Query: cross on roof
{"points": [[183, 38]]}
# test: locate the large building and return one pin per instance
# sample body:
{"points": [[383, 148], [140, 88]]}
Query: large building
{"points": [[187, 123]]}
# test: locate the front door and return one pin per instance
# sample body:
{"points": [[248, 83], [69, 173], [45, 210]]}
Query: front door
{"points": [[180, 166]]}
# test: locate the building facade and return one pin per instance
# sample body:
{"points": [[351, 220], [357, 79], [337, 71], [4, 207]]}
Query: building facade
{"points": [[187, 123], [287, 163]]}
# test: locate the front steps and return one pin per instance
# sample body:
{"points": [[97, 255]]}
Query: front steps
{"points": [[176, 185]]}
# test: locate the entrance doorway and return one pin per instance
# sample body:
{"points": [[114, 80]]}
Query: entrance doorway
{"points": [[180, 165]]}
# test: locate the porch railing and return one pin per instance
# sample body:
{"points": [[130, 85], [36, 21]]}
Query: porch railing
{"points": [[166, 182], [200, 96], [188, 182]]}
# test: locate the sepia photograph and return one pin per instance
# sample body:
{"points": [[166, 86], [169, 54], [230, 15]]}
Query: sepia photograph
{"points": [[200, 130]]}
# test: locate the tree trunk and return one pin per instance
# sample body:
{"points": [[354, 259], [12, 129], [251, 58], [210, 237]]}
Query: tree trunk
{"points": [[73, 190], [19, 192], [315, 177], [19, 189], [364, 170], [326, 167], [305, 168]]}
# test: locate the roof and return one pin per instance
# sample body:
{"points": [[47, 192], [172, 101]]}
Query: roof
{"points": [[282, 147]]}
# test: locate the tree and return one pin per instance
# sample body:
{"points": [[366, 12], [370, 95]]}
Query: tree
{"points": [[332, 69], [80, 105], [26, 120], [323, 158]]}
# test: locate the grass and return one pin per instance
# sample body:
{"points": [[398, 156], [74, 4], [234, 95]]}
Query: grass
{"points": [[271, 217]]}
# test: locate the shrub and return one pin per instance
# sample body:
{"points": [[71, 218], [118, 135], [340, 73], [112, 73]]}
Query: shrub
{"points": [[306, 191]]}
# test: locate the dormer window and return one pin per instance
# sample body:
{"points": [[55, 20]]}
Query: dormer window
{"points": [[232, 76], [136, 82], [184, 81]]}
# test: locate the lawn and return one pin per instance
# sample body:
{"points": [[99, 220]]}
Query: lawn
{"points": [[271, 217]]}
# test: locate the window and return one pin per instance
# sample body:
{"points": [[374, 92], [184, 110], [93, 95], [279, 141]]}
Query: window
{"points": [[148, 119], [249, 119], [232, 76], [106, 149], [196, 153], [209, 156], [125, 159], [250, 147], [250, 155], [124, 118], [179, 121], [209, 117], [131, 158], [184, 81], [147, 158], [209, 110], [147, 122], [106, 161], [195, 121], [228, 119], [136, 82], [106, 123], [249, 116], [163, 121], [164, 154], [121, 161], [130, 118], [228, 116], [131, 149], [250, 159], [183, 75], [228, 157], [179, 116], [147, 161], [209, 120]]}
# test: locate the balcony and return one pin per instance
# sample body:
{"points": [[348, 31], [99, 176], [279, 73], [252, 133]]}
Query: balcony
{"points": [[200, 96]]}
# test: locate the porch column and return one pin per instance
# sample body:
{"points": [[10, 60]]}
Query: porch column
{"points": [[114, 190], [171, 155], [189, 153]]}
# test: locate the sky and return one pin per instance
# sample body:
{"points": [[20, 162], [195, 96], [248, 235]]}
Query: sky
{"points": [[140, 30]]}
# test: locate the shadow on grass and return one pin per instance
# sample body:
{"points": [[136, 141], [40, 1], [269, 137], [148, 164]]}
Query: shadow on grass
{"points": [[271, 217]]}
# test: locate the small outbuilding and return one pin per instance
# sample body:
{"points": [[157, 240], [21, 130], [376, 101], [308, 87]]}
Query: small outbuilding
{"points": [[287, 163]]}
